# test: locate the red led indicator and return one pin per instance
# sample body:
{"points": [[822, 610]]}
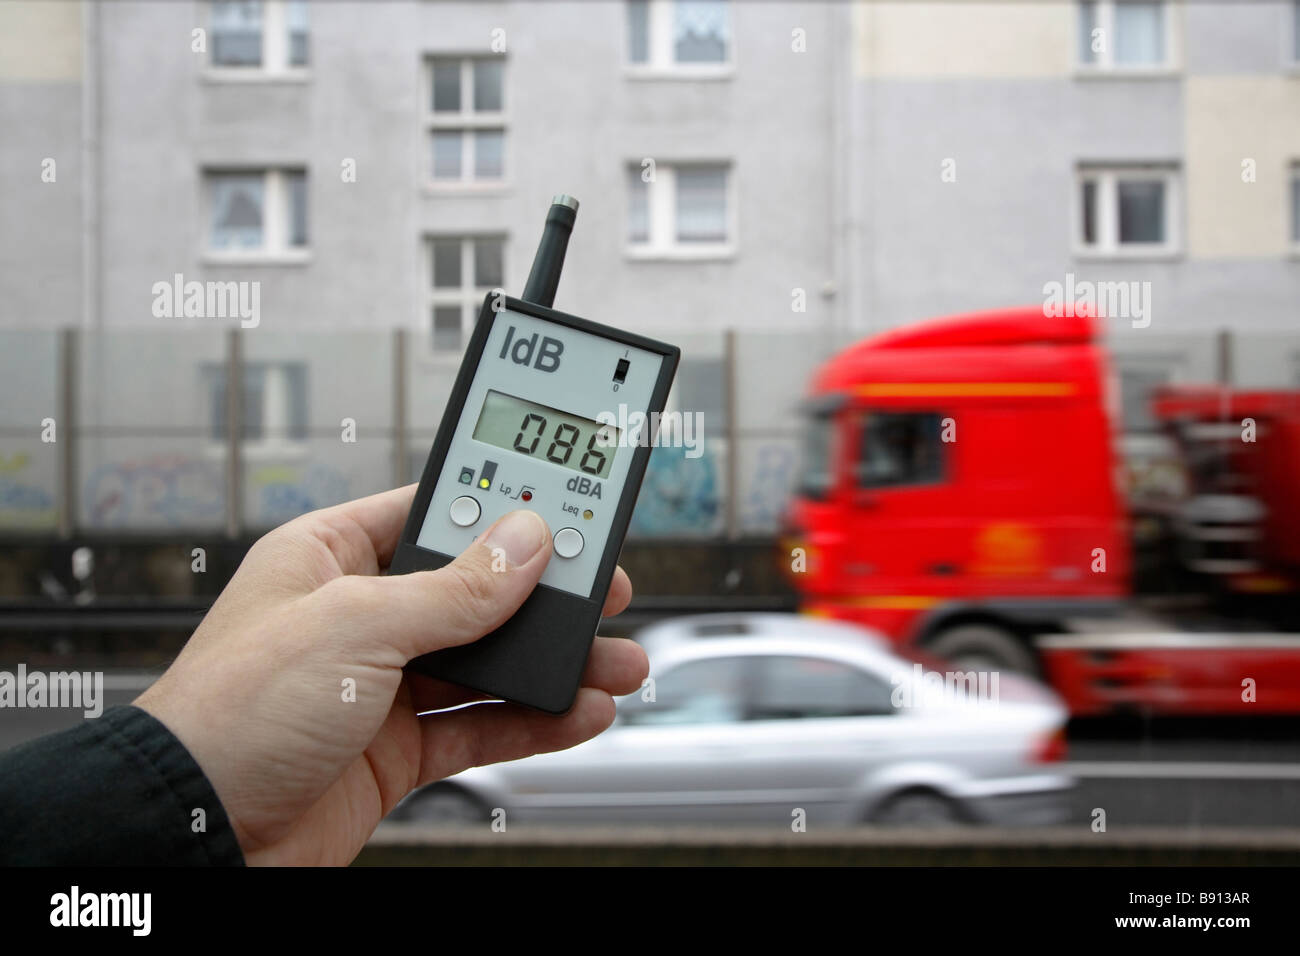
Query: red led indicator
{"points": [[527, 496]]}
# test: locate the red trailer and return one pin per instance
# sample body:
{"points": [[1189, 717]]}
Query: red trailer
{"points": [[962, 490]]}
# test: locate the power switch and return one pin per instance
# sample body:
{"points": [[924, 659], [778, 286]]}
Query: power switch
{"points": [[620, 371]]}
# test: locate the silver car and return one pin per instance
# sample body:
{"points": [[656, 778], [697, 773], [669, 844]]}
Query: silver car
{"points": [[796, 627], [756, 728]]}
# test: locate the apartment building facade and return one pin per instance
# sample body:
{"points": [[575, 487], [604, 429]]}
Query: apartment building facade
{"points": [[761, 182], [1151, 146]]}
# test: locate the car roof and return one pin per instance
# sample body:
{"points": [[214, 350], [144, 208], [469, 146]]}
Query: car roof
{"points": [[753, 624], [792, 635], [848, 648]]}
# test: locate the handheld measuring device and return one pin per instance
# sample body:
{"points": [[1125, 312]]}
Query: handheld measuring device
{"points": [[553, 413]]}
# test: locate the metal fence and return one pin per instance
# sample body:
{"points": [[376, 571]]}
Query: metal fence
{"points": [[149, 431]]}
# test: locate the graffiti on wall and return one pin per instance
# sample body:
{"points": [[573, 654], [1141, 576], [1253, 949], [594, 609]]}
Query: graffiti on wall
{"points": [[281, 492], [167, 490], [679, 495], [683, 496], [23, 503], [767, 490], [178, 492]]}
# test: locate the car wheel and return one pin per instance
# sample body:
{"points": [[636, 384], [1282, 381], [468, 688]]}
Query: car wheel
{"points": [[981, 647], [918, 808], [444, 806]]}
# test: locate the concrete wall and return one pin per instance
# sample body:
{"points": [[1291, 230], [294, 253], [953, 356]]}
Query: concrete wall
{"points": [[165, 117], [41, 117]]}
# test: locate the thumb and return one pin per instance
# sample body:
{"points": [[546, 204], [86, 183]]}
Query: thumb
{"points": [[426, 611]]}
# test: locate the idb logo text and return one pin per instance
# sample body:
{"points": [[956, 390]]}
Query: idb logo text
{"points": [[543, 355]]}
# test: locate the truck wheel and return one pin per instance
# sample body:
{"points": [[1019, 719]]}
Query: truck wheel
{"points": [[982, 646]]}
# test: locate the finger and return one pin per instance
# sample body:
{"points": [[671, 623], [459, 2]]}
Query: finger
{"points": [[414, 614], [620, 594], [616, 665], [492, 733]]}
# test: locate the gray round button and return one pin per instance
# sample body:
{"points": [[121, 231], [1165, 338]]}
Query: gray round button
{"points": [[464, 511], [568, 542]]}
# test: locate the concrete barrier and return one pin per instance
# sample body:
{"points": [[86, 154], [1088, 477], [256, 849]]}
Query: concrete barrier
{"points": [[412, 845]]}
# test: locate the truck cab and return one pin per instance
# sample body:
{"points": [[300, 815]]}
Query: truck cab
{"points": [[960, 485]]}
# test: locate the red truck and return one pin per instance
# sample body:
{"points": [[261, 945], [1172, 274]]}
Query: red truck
{"points": [[963, 490]]}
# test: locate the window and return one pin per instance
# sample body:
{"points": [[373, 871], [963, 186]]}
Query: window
{"points": [[237, 33], [817, 464], [273, 403], [701, 212], [812, 688], [698, 692], [466, 120], [638, 206], [1127, 210], [463, 269], [682, 209], [295, 15], [899, 448], [1122, 35], [257, 213], [268, 36], [679, 35]]}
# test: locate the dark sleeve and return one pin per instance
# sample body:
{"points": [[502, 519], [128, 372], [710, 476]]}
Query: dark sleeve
{"points": [[118, 790]]}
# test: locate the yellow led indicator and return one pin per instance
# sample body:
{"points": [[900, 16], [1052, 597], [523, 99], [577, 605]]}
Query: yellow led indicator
{"points": [[483, 482], [587, 515]]}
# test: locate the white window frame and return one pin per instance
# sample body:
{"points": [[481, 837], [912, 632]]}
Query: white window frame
{"points": [[275, 217], [275, 66], [466, 122], [660, 62], [661, 204], [465, 295], [1107, 176], [1105, 65]]}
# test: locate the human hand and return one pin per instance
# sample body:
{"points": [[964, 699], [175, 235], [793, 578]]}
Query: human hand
{"points": [[257, 694]]}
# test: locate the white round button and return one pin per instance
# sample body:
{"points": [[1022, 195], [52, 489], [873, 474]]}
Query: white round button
{"points": [[568, 542], [464, 511]]}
